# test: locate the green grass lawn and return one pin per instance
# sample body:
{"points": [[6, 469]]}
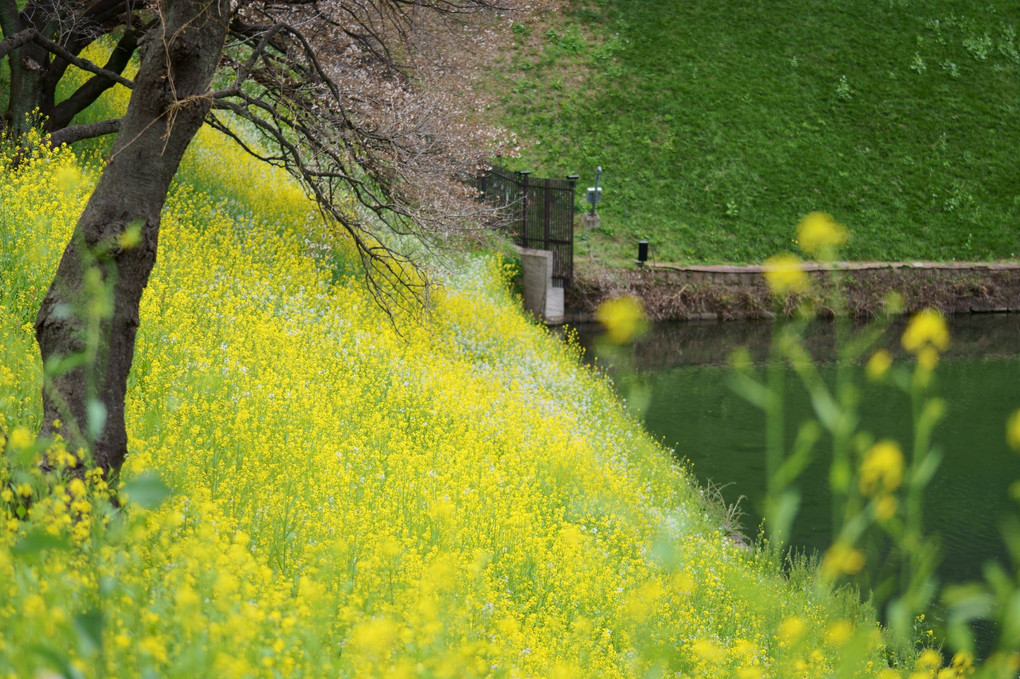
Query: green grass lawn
{"points": [[719, 124]]}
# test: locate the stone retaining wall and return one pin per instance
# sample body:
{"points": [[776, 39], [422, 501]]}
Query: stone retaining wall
{"points": [[723, 292]]}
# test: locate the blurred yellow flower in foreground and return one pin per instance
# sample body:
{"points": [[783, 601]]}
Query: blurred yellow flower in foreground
{"points": [[927, 328], [841, 559], [785, 275], [818, 234], [882, 466], [839, 632], [67, 178], [963, 663], [623, 317], [131, 236], [791, 629], [885, 508], [878, 365], [1013, 431], [20, 439], [929, 660]]}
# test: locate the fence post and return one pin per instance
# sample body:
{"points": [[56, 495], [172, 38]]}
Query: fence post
{"points": [[572, 178], [524, 207], [548, 213]]}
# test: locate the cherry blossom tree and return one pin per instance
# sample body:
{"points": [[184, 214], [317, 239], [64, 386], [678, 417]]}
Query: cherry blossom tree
{"points": [[367, 102]]}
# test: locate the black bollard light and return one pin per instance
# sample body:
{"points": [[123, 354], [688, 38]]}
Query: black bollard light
{"points": [[642, 252]]}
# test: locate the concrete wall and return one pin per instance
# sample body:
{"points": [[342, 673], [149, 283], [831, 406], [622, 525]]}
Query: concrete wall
{"points": [[711, 292], [541, 298]]}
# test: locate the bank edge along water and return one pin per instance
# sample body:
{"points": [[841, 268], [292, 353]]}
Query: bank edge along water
{"points": [[725, 292]]}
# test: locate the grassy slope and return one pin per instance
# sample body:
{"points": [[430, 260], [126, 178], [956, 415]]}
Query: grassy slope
{"points": [[719, 124], [462, 501]]}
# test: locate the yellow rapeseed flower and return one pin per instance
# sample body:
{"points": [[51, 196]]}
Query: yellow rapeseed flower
{"points": [[928, 660], [839, 632], [791, 629], [131, 236], [374, 637], [878, 365], [928, 358], [785, 275], [818, 234], [1013, 431], [623, 318], [20, 439], [885, 507], [445, 565], [67, 178], [709, 651], [841, 559], [927, 328], [963, 662], [882, 468], [154, 647]]}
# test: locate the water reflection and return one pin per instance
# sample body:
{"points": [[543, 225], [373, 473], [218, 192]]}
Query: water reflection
{"points": [[700, 343], [693, 410]]}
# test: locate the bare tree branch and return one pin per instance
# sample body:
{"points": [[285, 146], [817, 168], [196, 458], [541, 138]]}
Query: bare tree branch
{"points": [[83, 64], [62, 114], [13, 42], [69, 135]]}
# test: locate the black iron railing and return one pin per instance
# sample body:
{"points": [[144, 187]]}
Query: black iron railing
{"points": [[539, 213]]}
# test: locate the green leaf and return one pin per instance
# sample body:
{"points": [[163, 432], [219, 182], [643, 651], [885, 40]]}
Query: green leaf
{"points": [[750, 390], [927, 468], [639, 397], [61, 365], [58, 661], [146, 490], [24, 457], [968, 602], [900, 618], [37, 542], [825, 407], [96, 414], [784, 510], [89, 626], [807, 436]]}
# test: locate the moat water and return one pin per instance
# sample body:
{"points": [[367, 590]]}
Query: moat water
{"points": [[695, 412]]}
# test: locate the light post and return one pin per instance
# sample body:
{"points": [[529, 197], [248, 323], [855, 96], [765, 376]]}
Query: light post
{"points": [[590, 220], [594, 192]]}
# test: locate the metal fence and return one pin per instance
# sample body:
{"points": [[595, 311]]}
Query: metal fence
{"points": [[540, 211]]}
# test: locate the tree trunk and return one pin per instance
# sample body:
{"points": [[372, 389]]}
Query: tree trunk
{"points": [[27, 70], [85, 404]]}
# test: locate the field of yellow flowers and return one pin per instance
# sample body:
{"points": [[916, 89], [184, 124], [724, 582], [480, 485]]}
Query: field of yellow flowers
{"points": [[457, 499]]}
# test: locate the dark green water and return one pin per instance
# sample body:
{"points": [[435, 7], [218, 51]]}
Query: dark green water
{"points": [[695, 412]]}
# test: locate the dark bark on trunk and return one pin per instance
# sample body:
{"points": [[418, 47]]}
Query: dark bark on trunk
{"points": [[69, 135], [60, 115], [28, 66], [167, 108], [39, 54]]}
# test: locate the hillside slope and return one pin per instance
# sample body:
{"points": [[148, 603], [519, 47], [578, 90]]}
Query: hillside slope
{"points": [[718, 125], [463, 500]]}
